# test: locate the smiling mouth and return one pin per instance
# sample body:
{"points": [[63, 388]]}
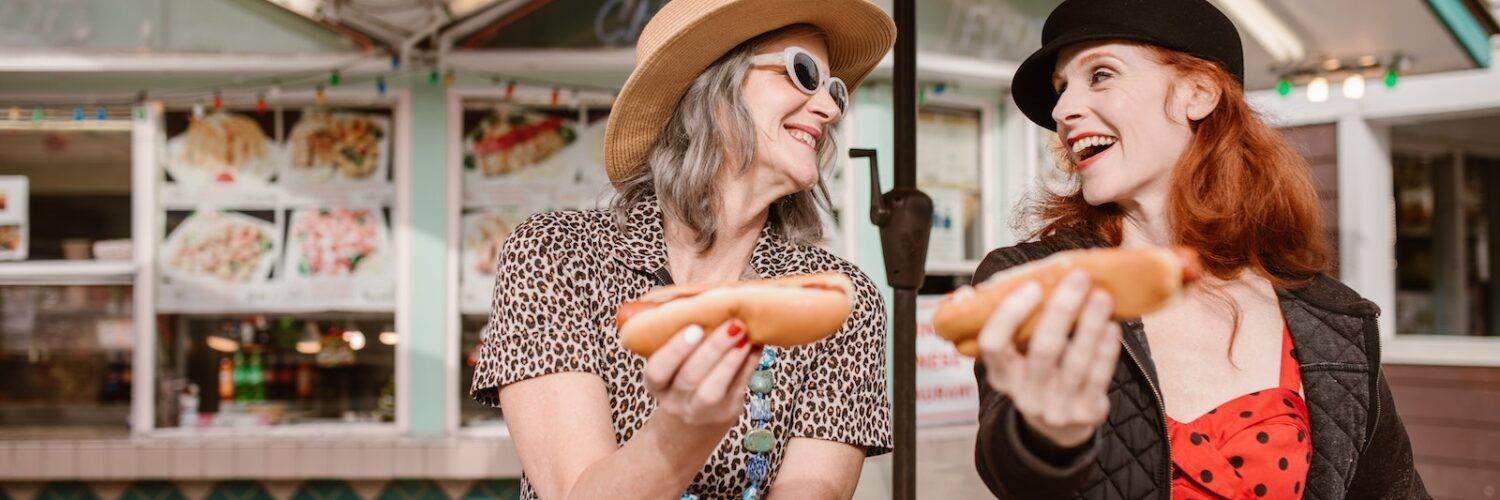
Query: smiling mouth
{"points": [[1092, 146], [803, 137]]}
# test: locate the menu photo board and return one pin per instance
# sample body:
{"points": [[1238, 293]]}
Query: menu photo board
{"points": [[517, 162], [14, 221], [257, 218]]}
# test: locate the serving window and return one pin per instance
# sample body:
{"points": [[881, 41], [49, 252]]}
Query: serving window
{"points": [[66, 300], [276, 289], [515, 157]]}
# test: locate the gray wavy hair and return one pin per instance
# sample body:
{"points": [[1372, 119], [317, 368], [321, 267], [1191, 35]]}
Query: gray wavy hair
{"points": [[710, 130]]}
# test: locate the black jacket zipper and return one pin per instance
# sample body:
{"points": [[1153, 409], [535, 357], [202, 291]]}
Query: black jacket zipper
{"points": [[1166, 477]]}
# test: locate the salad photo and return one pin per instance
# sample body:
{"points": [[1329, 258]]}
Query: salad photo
{"points": [[334, 242], [221, 246]]}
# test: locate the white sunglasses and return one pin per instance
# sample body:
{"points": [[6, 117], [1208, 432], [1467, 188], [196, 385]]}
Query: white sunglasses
{"points": [[806, 74]]}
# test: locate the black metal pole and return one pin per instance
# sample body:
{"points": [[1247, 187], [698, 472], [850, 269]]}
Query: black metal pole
{"points": [[904, 356], [905, 88]]}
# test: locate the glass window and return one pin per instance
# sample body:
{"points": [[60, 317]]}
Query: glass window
{"points": [[517, 161], [66, 333], [276, 268], [65, 352], [1318, 145], [949, 145], [1447, 193]]}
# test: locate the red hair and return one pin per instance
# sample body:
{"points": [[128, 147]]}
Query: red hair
{"points": [[1239, 195]]}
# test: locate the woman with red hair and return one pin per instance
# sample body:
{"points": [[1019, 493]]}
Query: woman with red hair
{"points": [[1264, 382]]}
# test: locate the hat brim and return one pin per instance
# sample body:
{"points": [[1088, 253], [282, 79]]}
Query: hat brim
{"points": [[1031, 88], [859, 34]]}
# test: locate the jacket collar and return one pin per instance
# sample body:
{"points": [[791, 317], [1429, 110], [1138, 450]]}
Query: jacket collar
{"points": [[640, 244]]}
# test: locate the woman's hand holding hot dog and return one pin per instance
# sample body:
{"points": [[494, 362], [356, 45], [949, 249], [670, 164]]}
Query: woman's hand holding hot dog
{"points": [[1060, 385], [699, 380]]}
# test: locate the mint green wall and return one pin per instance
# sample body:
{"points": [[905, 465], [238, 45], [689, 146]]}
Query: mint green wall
{"points": [[428, 298], [167, 26]]}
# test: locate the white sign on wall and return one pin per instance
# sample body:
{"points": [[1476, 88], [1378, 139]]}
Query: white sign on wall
{"points": [[14, 229], [947, 393]]}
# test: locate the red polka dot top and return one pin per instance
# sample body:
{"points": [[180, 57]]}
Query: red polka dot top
{"points": [[1253, 446]]}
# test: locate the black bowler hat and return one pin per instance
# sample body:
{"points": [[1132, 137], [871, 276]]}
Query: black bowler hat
{"points": [[1194, 27]]}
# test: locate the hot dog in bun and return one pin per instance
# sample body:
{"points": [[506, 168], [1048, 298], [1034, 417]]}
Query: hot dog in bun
{"points": [[1140, 280], [785, 312]]}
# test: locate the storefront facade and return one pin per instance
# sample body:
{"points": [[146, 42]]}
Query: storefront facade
{"points": [[217, 356]]}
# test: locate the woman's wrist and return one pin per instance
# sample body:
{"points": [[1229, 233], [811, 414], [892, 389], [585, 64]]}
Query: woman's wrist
{"points": [[682, 441], [1069, 438]]}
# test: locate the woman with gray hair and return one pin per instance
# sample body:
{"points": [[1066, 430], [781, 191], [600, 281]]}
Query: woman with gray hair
{"points": [[717, 146]]}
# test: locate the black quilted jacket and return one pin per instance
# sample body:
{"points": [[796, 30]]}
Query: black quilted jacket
{"points": [[1360, 448]]}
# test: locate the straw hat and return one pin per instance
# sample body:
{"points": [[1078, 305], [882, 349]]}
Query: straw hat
{"points": [[686, 36]]}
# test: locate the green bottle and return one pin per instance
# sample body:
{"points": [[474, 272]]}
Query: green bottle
{"points": [[241, 372], [257, 379]]}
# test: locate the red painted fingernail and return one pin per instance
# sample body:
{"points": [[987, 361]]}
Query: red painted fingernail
{"points": [[742, 342], [734, 329]]}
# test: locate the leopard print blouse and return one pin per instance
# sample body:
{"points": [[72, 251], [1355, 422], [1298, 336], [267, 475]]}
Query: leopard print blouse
{"points": [[563, 274]]}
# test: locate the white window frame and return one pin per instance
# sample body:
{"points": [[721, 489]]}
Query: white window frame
{"points": [[453, 211], [146, 225], [988, 171], [1367, 215]]}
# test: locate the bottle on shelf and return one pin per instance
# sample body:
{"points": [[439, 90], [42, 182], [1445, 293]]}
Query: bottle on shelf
{"points": [[256, 379], [286, 377], [304, 380], [241, 377], [188, 404], [227, 380]]}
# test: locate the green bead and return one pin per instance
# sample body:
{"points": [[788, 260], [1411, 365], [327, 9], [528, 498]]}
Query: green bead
{"points": [[760, 440], [762, 381]]}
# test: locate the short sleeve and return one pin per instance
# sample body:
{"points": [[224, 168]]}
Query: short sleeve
{"points": [[537, 322], [846, 399]]}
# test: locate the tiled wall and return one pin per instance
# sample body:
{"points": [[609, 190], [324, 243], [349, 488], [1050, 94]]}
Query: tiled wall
{"points": [[320, 489], [286, 459]]}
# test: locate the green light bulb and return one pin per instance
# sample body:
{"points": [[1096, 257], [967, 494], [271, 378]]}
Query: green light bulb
{"points": [[1390, 78], [1284, 87]]}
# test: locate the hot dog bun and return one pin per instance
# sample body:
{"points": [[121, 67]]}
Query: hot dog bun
{"points": [[783, 312], [1140, 280]]}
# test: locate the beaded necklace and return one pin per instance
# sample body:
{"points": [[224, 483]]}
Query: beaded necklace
{"points": [[761, 439]]}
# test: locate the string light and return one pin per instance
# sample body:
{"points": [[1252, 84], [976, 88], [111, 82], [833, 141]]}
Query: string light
{"points": [[15, 113], [380, 85], [198, 110], [77, 113], [1391, 77], [275, 90], [333, 79], [218, 101], [319, 97], [1284, 87], [100, 113], [260, 104], [395, 61], [1317, 90], [510, 90], [37, 114], [1354, 86], [432, 77], [554, 96], [448, 78]]}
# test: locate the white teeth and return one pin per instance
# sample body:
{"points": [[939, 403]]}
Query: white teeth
{"points": [[803, 136], [1093, 140]]}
